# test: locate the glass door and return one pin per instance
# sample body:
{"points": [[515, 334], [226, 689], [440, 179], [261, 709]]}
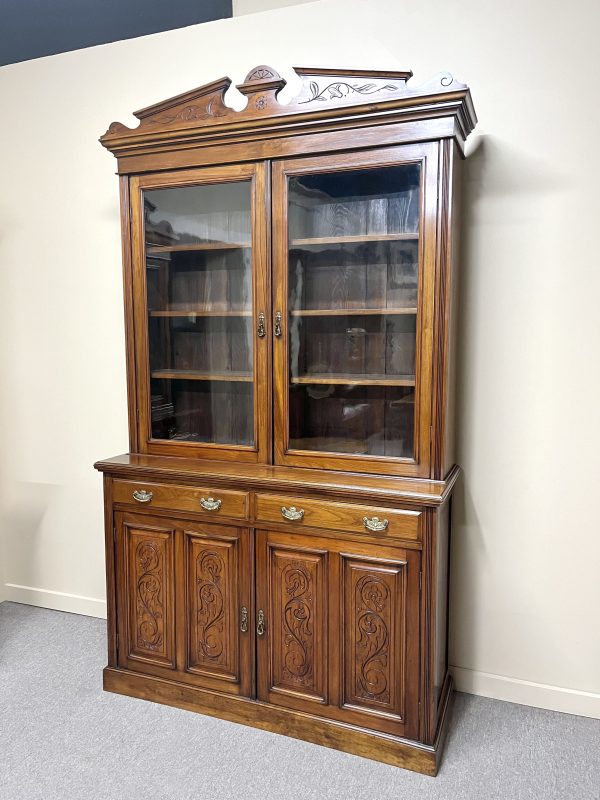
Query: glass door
{"points": [[199, 249], [353, 310]]}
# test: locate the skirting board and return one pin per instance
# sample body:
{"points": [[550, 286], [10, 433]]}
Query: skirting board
{"points": [[527, 693], [58, 601], [499, 687]]}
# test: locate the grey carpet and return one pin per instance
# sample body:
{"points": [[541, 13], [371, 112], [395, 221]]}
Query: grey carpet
{"points": [[62, 738]]}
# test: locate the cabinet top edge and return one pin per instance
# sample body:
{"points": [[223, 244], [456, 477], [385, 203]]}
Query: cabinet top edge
{"points": [[326, 94], [416, 491]]}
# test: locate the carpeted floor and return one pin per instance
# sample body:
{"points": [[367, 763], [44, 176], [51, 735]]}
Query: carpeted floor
{"points": [[62, 738]]}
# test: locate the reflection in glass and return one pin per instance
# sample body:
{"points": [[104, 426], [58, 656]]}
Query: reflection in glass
{"points": [[199, 291], [353, 303]]}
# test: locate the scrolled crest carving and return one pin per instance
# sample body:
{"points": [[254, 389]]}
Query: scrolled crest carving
{"points": [[202, 112]]}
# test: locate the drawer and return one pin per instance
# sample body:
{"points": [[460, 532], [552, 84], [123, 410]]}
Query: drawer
{"points": [[312, 513], [212, 502]]}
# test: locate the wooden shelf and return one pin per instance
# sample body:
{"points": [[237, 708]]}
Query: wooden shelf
{"points": [[350, 312], [365, 238], [186, 248], [195, 375], [199, 312], [357, 380]]}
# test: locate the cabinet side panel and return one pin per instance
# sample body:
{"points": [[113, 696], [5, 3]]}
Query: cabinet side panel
{"points": [[454, 278], [128, 306], [110, 565], [443, 402], [442, 552]]}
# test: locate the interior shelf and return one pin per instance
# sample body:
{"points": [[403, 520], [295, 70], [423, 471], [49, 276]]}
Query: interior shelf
{"points": [[360, 239], [186, 248], [199, 312], [356, 380], [350, 312], [195, 375]]}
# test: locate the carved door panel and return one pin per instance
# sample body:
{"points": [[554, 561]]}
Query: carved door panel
{"points": [[146, 593], [215, 648], [292, 620], [341, 629], [378, 639]]}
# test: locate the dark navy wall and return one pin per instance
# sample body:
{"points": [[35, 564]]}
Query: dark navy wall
{"points": [[34, 28]]}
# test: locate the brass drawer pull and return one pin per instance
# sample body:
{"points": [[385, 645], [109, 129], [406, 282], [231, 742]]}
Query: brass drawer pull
{"points": [[210, 504], [142, 496], [278, 324], [244, 620], [260, 623], [375, 524], [292, 513], [261, 325]]}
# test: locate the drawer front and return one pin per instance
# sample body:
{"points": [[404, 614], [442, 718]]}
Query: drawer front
{"points": [[312, 513], [212, 502]]}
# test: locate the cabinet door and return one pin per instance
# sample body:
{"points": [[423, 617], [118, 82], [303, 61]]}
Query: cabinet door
{"points": [[341, 629], [146, 593], [184, 601], [199, 261], [216, 649], [354, 259]]}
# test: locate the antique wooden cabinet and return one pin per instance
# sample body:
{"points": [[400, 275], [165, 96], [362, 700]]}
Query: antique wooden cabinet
{"points": [[277, 538]]}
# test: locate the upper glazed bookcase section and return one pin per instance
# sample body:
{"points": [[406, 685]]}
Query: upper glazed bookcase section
{"points": [[201, 115]]}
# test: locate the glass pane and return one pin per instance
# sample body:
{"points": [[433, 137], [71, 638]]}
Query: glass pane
{"points": [[353, 297], [200, 332]]}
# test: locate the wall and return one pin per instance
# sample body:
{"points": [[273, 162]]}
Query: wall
{"points": [[526, 550]]}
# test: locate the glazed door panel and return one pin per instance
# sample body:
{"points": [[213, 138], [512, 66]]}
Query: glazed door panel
{"points": [[146, 594], [216, 648], [292, 621], [341, 629], [200, 269], [354, 261]]}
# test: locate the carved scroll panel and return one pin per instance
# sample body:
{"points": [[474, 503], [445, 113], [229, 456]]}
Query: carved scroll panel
{"points": [[298, 657], [374, 634], [150, 595], [212, 606]]}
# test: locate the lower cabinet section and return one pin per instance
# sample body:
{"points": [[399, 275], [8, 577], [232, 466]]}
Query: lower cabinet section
{"points": [[324, 625], [341, 629]]}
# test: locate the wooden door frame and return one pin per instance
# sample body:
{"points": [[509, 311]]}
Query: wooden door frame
{"points": [[258, 174], [427, 156]]}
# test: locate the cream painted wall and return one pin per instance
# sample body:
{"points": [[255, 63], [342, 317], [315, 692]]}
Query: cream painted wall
{"points": [[526, 556]]}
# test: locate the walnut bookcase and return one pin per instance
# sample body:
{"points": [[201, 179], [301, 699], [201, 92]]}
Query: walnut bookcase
{"points": [[277, 538]]}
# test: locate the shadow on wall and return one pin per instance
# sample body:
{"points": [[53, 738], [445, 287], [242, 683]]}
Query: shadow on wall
{"points": [[23, 506], [505, 234]]}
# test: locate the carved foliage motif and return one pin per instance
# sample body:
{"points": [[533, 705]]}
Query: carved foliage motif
{"points": [[211, 107], [150, 609], [341, 89], [209, 607], [298, 624], [372, 651]]}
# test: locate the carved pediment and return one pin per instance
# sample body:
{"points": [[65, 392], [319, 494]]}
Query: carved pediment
{"points": [[202, 112]]}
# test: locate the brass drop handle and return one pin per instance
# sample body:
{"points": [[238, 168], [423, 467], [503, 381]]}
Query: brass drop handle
{"points": [[210, 504], [244, 620], [375, 524], [292, 513], [278, 324], [261, 325], [142, 496], [260, 623]]}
